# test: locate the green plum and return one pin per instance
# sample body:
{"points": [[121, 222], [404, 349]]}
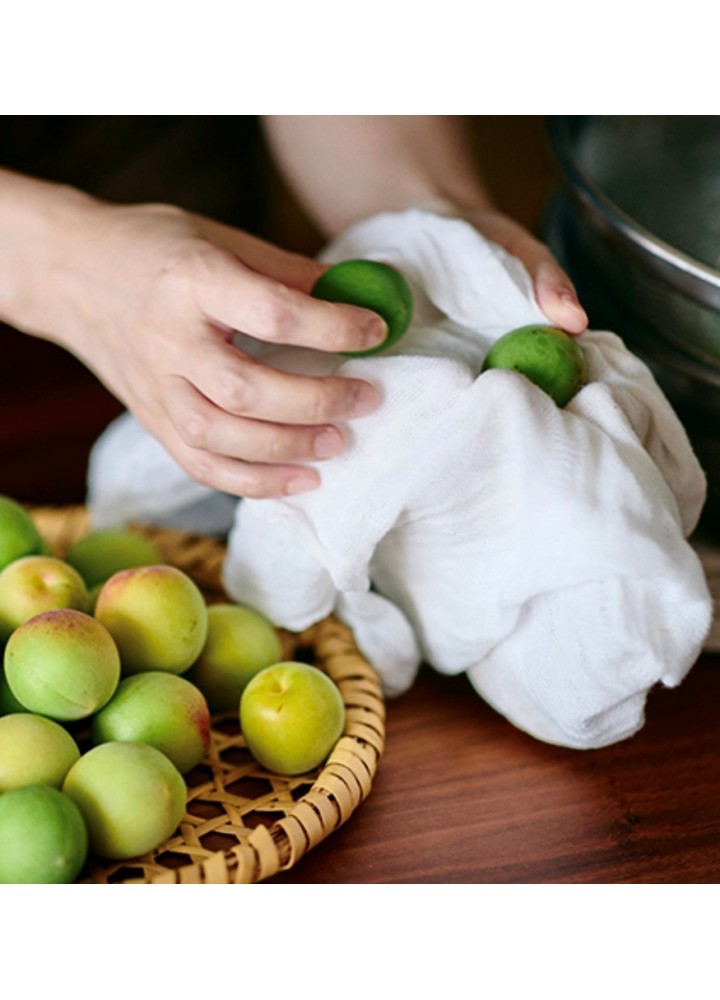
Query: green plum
{"points": [[547, 356], [34, 751], [131, 796], [43, 838], [34, 584], [19, 535], [240, 642], [372, 285], [63, 664], [99, 554], [291, 715], [156, 615], [161, 709], [9, 704]]}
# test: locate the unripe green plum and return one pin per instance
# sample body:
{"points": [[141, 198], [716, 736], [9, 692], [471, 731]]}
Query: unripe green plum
{"points": [[166, 711], [240, 643], [550, 358], [34, 751], [19, 535], [371, 284], [46, 548], [99, 554], [156, 615], [93, 596], [291, 715], [63, 664], [34, 584], [43, 839], [9, 704], [131, 796]]}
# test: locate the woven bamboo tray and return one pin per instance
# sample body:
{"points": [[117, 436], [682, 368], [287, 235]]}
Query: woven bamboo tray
{"points": [[243, 824]]}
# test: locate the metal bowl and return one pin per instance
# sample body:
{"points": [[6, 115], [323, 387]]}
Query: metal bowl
{"points": [[644, 202], [636, 223]]}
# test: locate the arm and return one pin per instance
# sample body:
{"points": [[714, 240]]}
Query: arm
{"points": [[345, 168], [149, 296]]}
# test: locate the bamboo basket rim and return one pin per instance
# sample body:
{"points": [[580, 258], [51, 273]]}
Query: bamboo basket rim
{"points": [[227, 834]]}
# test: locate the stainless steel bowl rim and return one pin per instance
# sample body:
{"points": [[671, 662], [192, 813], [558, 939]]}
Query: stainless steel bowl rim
{"points": [[690, 276]]}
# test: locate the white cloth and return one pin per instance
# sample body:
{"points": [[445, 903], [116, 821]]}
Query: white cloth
{"points": [[472, 523]]}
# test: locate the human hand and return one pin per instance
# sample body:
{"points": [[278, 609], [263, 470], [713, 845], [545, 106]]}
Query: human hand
{"points": [[554, 291], [150, 296], [333, 163]]}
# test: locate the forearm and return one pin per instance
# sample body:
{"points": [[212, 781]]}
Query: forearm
{"points": [[347, 167], [42, 228]]}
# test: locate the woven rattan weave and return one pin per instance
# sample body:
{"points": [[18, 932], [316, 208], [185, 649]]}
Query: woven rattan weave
{"points": [[243, 824]]}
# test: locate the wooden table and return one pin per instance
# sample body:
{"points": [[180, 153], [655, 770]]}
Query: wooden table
{"points": [[462, 796]]}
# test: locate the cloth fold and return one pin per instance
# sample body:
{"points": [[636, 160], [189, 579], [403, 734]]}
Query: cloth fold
{"points": [[471, 523]]}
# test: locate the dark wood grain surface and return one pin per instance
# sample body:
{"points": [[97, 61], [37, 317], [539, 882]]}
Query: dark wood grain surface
{"points": [[461, 797]]}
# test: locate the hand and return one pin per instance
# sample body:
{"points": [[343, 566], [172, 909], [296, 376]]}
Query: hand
{"points": [[554, 291], [425, 161], [150, 297]]}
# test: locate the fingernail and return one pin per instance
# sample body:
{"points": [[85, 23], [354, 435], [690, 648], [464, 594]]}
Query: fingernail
{"points": [[569, 301], [365, 399], [375, 332], [301, 484], [328, 443]]}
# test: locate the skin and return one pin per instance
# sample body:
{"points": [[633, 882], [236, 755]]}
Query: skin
{"points": [[148, 296], [347, 167], [187, 283]]}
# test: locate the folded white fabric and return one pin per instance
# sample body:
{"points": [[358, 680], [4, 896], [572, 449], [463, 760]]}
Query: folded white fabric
{"points": [[471, 523]]}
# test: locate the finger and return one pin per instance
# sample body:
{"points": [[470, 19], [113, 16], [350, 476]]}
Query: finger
{"points": [[243, 299], [203, 426], [557, 297], [245, 479], [231, 475], [242, 386], [288, 268], [554, 291]]}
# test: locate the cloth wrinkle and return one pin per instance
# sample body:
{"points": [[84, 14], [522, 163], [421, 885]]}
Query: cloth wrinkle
{"points": [[471, 523]]}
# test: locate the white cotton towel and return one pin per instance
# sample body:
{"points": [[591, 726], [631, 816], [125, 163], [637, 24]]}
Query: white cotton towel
{"points": [[472, 523]]}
